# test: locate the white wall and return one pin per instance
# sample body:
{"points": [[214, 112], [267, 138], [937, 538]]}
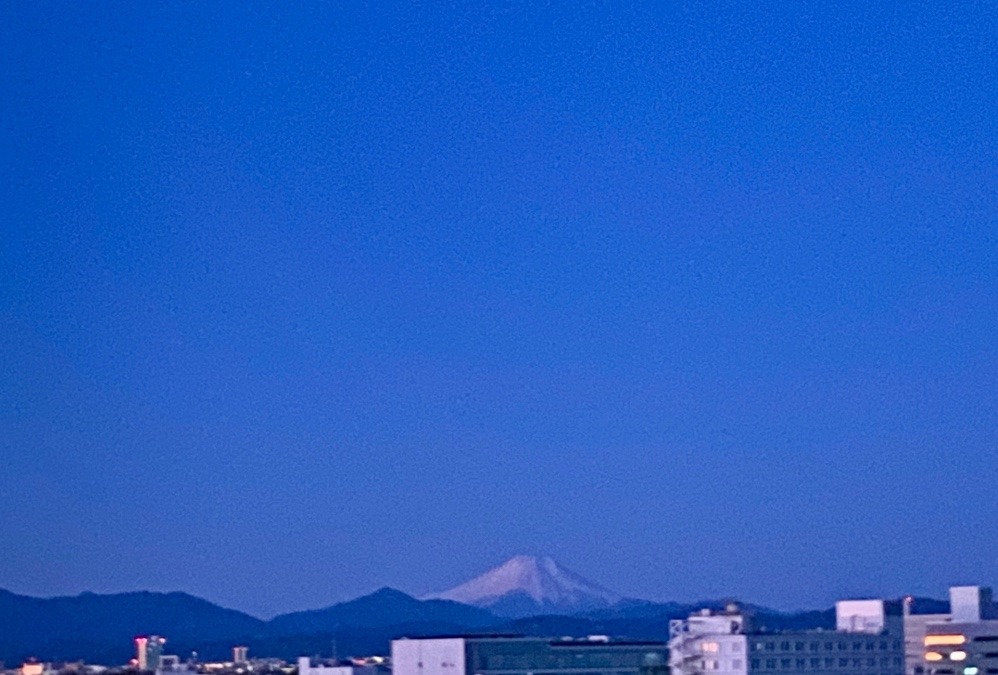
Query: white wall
{"points": [[437, 656], [860, 616]]}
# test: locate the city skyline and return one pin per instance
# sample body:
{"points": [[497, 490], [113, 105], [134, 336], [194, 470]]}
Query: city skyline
{"points": [[698, 298]]}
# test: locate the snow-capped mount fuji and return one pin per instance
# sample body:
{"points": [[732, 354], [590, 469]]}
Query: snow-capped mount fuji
{"points": [[529, 585]]}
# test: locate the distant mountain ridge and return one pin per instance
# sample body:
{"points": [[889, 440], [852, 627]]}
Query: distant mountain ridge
{"points": [[100, 628]]}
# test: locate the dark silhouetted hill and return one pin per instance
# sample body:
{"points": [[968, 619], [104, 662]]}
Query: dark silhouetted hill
{"points": [[383, 608], [101, 627]]}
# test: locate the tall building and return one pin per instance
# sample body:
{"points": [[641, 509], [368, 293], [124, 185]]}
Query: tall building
{"points": [[516, 655], [240, 654], [149, 651], [141, 655], [866, 642]]}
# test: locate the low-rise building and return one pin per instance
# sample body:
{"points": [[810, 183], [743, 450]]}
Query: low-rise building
{"points": [[866, 642], [306, 666], [518, 655]]}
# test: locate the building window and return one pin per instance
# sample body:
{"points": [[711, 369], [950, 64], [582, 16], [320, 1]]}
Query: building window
{"points": [[856, 646], [784, 663], [883, 645], [754, 663], [801, 664], [815, 646], [770, 646], [843, 663], [770, 663], [736, 664], [816, 663], [843, 646], [799, 646], [785, 646], [829, 663], [736, 647]]}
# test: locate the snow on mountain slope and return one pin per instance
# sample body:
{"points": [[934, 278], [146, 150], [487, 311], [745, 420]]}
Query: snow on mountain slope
{"points": [[528, 584]]}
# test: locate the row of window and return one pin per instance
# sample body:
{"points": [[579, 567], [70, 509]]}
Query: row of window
{"points": [[717, 647], [959, 655], [714, 664], [816, 663], [841, 645]]}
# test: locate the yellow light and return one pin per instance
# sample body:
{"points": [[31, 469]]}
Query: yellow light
{"points": [[933, 656], [958, 656], [931, 640]]}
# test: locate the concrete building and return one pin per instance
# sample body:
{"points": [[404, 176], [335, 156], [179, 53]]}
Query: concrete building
{"points": [[517, 655], [306, 666], [170, 664], [709, 642], [866, 642], [240, 655], [963, 642]]}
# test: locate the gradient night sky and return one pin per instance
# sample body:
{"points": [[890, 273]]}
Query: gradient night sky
{"points": [[699, 298]]}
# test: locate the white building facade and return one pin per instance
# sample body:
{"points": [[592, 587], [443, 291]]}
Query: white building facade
{"points": [[866, 642]]}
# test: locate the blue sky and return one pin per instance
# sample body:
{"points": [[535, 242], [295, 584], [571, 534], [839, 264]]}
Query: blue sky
{"points": [[699, 298]]}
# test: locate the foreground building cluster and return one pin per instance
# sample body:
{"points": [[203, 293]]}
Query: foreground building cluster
{"points": [[867, 640]]}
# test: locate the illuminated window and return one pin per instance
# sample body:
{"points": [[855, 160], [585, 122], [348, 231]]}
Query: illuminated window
{"points": [[971, 670], [958, 656], [933, 656], [710, 647], [934, 640]]}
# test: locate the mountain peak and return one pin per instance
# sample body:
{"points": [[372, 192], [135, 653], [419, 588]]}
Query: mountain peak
{"points": [[528, 584]]}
